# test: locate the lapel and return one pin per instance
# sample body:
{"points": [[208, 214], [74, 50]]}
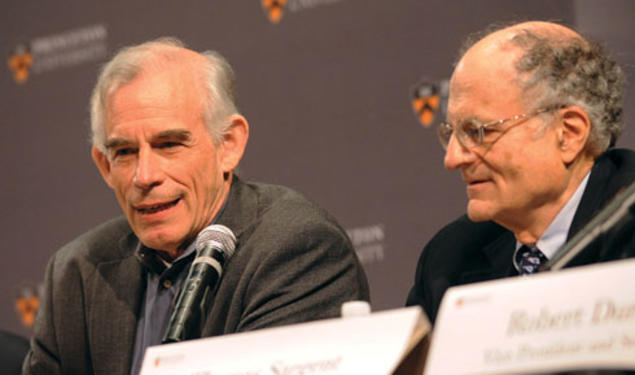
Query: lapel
{"points": [[239, 214], [495, 263], [596, 194], [593, 198], [114, 302]]}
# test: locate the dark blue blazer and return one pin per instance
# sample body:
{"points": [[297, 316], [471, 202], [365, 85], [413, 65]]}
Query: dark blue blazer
{"points": [[465, 252]]}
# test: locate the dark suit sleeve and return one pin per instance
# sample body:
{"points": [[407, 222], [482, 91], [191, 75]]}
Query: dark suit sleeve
{"points": [[438, 266], [416, 296], [429, 286], [305, 273], [43, 356], [454, 256], [59, 344]]}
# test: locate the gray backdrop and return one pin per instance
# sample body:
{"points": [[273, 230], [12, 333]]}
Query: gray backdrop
{"points": [[327, 90]]}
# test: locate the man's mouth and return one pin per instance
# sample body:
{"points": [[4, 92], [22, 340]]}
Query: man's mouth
{"points": [[474, 182], [146, 210]]}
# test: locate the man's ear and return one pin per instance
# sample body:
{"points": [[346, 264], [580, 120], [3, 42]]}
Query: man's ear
{"points": [[233, 144], [573, 133], [103, 164]]}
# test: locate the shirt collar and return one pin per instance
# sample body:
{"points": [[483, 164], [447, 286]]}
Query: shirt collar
{"points": [[154, 263], [556, 234]]}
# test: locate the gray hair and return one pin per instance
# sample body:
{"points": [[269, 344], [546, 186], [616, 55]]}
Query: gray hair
{"points": [[574, 71], [216, 74], [569, 70]]}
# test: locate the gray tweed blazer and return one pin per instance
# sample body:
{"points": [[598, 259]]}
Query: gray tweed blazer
{"points": [[293, 263]]}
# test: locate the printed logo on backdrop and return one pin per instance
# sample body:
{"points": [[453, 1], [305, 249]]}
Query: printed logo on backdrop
{"points": [[429, 101], [56, 51], [368, 242], [20, 63], [275, 9], [27, 304]]}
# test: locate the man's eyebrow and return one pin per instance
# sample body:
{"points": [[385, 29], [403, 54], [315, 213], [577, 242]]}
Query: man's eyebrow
{"points": [[174, 134], [116, 142]]}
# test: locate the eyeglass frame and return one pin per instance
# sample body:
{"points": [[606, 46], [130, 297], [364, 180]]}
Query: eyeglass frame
{"points": [[481, 127]]}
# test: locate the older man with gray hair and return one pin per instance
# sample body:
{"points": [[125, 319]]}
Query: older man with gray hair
{"points": [[533, 114], [166, 138]]}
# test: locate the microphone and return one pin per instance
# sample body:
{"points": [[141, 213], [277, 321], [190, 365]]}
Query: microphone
{"points": [[214, 245], [616, 217]]}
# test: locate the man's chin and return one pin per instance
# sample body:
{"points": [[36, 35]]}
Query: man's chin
{"points": [[477, 213], [157, 241]]}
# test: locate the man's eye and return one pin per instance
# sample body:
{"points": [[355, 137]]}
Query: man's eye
{"points": [[490, 133], [124, 152], [471, 129], [168, 144]]}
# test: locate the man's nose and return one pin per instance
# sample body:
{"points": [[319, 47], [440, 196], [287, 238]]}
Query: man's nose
{"points": [[456, 155], [148, 172]]}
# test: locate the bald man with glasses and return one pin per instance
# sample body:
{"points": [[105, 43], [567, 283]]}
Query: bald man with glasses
{"points": [[534, 112]]}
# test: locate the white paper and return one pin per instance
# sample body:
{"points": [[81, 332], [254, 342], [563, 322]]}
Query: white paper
{"points": [[372, 344], [581, 317]]}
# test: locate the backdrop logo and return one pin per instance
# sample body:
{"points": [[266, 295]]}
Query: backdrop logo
{"points": [[429, 100], [56, 51], [20, 63], [26, 305], [275, 9]]}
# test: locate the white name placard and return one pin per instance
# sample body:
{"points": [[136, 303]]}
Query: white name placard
{"points": [[578, 318], [372, 344]]}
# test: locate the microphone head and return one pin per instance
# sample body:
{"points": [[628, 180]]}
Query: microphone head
{"points": [[218, 236]]}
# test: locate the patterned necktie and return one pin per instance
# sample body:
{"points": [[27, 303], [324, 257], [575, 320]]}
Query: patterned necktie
{"points": [[528, 259]]}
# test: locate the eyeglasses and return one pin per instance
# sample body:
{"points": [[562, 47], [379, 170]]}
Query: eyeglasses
{"points": [[472, 133]]}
